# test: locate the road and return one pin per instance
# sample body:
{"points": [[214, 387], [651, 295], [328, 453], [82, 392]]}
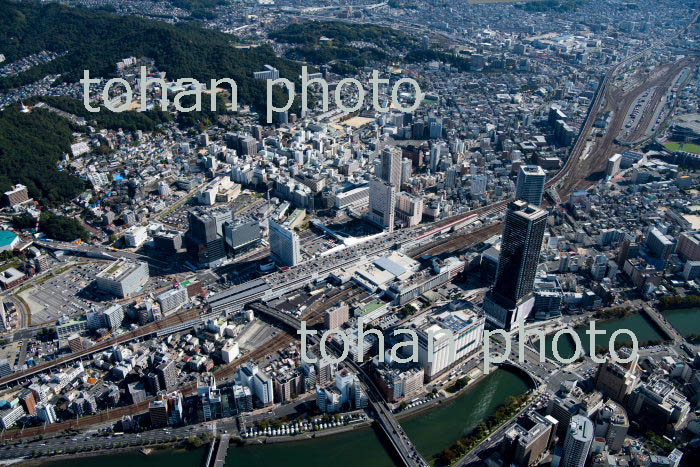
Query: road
{"points": [[569, 178], [92, 440], [399, 439]]}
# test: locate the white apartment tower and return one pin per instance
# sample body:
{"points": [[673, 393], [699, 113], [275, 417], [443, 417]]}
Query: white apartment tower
{"points": [[578, 442], [530, 185], [382, 203], [391, 166], [284, 245]]}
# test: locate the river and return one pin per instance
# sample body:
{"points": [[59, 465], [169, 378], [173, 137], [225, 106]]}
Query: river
{"points": [[431, 431], [685, 320], [638, 324]]}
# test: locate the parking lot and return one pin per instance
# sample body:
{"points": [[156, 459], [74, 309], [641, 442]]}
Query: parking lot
{"points": [[60, 295], [313, 243]]}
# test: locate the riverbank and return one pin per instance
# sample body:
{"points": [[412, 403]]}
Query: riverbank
{"points": [[155, 451], [444, 396], [305, 436], [431, 429]]}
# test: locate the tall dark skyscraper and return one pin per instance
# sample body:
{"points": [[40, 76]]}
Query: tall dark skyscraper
{"points": [[517, 265], [205, 242]]}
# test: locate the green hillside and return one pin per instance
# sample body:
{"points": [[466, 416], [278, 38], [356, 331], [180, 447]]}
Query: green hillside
{"points": [[96, 40]]}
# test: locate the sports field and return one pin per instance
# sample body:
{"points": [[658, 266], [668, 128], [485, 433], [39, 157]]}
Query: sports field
{"points": [[687, 147]]}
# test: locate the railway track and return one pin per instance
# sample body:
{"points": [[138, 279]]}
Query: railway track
{"points": [[461, 242], [272, 345], [148, 329], [562, 181]]}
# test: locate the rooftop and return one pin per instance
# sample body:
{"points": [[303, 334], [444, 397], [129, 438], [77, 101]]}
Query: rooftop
{"points": [[7, 237]]}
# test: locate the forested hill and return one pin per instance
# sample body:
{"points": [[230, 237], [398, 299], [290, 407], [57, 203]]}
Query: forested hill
{"points": [[310, 33], [96, 40], [31, 144]]}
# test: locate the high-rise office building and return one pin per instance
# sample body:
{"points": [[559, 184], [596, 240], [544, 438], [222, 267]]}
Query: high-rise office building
{"points": [[382, 203], [113, 316], [391, 166], [435, 127], [158, 412], [168, 242], [243, 398], [284, 245], [528, 439], [47, 413], [510, 298], [437, 152], [26, 398], [204, 239], [578, 442], [658, 244], [248, 145], [406, 170], [259, 383], [409, 209], [5, 368], [612, 424], [479, 184], [616, 381], [172, 299], [167, 375], [613, 166], [520, 251], [242, 235], [530, 184]]}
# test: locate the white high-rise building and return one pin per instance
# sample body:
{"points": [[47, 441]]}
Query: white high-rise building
{"points": [[530, 185], [136, 236], [455, 335], [9, 417], [406, 169], [437, 152], [613, 165], [262, 388], [46, 413], [344, 383], [382, 203], [409, 208], [259, 383], [172, 299], [578, 442], [113, 316], [3, 317], [284, 245], [391, 166], [230, 351], [163, 189]]}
